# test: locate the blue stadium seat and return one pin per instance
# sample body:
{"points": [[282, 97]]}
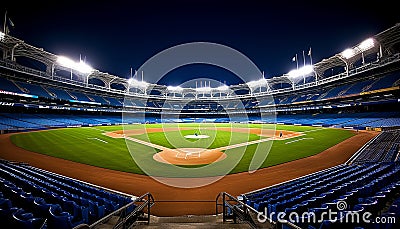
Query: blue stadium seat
{"points": [[80, 214], [364, 187], [96, 211], [6, 216], [26, 220], [59, 219], [42, 208], [37, 191]]}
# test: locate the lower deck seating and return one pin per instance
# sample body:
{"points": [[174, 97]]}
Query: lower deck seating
{"points": [[365, 188], [35, 198], [383, 148]]}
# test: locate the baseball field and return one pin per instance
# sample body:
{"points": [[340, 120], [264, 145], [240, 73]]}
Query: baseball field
{"points": [[161, 147]]}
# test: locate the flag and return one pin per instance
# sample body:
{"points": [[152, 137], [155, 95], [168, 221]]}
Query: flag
{"points": [[7, 24], [10, 22], [294, 58], [309, 54]]}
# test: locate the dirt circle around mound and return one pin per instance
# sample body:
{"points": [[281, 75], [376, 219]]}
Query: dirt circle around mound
{"points": [[189, 156]]}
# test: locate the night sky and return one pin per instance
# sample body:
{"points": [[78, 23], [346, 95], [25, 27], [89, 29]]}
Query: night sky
{"points": [[116, 36]]}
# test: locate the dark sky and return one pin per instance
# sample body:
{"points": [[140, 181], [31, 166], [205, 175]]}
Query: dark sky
{"points": [[117, 35]]}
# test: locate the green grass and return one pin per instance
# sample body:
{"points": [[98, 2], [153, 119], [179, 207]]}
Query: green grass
{"points": [[176, 139], [281, 152], [79, 145]]}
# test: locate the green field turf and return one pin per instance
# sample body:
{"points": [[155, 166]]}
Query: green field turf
{"points": [[88, 145], [176, 139]]}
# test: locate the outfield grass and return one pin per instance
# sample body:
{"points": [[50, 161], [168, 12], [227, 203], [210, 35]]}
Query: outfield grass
{"points": [[87, 145], [176, 139]]}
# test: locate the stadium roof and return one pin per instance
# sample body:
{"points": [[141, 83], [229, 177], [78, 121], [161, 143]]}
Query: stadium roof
{"points": [[379, 46]]}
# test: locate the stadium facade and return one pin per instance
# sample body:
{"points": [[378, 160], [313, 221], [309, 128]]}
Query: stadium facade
{"points": [[355, 89]]}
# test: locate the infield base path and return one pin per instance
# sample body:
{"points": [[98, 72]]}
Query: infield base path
{"points": [[199, 156]]}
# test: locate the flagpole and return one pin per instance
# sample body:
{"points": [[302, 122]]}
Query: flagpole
{"points": [[4, 24], [304, 64], [297, 62], [311, 63]]}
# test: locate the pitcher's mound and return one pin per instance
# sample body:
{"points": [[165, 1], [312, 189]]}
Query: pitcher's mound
{"points": [[189, 156]]}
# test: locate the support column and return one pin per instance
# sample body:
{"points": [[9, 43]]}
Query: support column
{"points": [[12, 52], [50, 69]]}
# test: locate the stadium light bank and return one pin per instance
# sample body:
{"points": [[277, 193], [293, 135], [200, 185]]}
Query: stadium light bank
{"points": [[80, 66], [138, 84], [175, 88], [203, 89], [303, 71], [223, 88], [361, 48]]}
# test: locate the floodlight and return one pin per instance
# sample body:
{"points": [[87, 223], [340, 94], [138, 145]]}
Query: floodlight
{"points": [[367, 44], [348, 53], [307, 69], [203, 89], [137, 83], [83, 67], [254, 83], [174, 88], [223, 88], [292, 73], [66, 62], [143, 84], [2, 35]]}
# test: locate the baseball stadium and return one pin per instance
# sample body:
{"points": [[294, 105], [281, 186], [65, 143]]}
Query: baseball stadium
{"points": [[82, 148]]}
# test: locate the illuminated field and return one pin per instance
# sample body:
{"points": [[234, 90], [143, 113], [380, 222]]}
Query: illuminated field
{"points": [[94, 146]]}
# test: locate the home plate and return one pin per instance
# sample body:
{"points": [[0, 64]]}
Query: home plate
{"points": [[199, 136]]}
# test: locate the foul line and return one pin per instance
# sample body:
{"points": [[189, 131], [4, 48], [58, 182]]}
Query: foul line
{"points": [[313, 130], [147, 143], [220, 148], [297, 140], [98, 139], [94, 128], [248, 143]]}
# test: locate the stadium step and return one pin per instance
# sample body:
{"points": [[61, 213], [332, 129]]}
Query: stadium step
{"points": [[191, 221]]}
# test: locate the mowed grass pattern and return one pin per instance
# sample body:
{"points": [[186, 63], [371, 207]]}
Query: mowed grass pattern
{"points": [[83, 145], [79, 145], [176, 139]]}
